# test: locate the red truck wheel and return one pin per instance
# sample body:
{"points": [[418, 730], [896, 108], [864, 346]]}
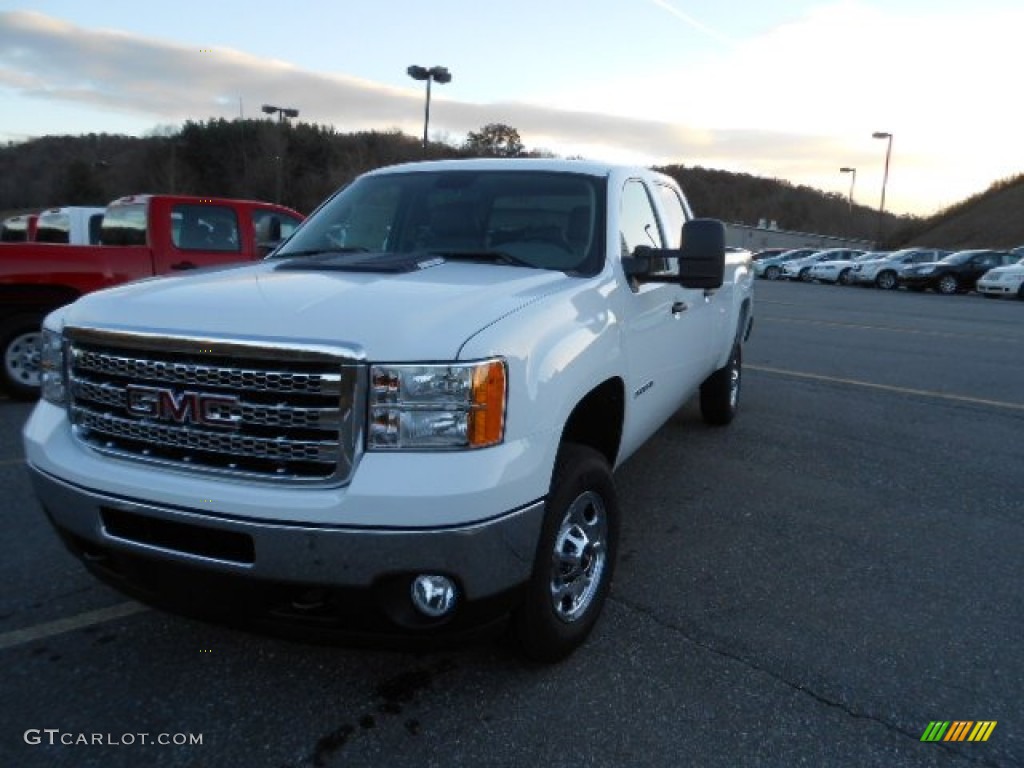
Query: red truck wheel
{"points": [[19, 348]]}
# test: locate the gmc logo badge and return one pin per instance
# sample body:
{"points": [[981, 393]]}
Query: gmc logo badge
{"points": [[183, 407]]}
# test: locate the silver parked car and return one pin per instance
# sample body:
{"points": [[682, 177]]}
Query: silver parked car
{"points": [[884, 272], [800, 269]]}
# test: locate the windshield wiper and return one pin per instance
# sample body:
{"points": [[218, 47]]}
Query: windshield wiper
{"points": [[323, 251], [497, 257]]}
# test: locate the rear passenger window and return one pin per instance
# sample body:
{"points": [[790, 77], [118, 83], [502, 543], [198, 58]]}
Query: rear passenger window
{"points": [[205, 228]]}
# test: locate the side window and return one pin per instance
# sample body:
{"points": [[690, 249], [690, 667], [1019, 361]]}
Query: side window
{"points": [[95, 226], [205, 228], [675, 214], [638, 224]]}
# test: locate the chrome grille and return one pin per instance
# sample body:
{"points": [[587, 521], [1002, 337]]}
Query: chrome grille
{"points": [[260, 410]]}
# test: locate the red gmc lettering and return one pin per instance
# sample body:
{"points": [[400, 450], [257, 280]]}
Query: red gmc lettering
{"points": [[182, 407]]}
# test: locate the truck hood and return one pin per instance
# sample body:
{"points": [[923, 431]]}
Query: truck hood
{"points": [[421, 315]]}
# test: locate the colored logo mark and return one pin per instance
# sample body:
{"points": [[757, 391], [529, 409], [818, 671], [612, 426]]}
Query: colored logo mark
{"points": [[958, 730]]}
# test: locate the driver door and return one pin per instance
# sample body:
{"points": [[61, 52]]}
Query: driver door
{"points": [[668, 328]]}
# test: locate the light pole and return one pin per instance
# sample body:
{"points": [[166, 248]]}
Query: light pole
{"points": [[434, 74], [853, 180], [282, 113], [885, 180]]}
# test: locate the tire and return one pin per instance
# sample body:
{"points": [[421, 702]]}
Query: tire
{"points": [[773, 272], [575, 557], [887, 280], [720, 392], [844, 277], [19, 356], [947, 285], [1020, 292], [805, 275]]}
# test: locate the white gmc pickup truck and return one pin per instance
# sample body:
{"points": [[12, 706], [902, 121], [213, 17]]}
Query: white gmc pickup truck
{"points": [[407, 417]]}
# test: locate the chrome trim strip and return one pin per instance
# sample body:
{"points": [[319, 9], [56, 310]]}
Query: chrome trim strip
{"points": [[218, 345]]}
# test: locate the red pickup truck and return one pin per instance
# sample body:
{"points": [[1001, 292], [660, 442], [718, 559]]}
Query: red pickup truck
{"points": [[141, 236]]}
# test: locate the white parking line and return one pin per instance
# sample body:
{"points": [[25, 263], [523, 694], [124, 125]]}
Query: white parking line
{"points": [[60, 626], [894, 329], [889, 388]]}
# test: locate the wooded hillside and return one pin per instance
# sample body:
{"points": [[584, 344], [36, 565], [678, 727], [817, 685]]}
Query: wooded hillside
{"points": [[300, 164]]}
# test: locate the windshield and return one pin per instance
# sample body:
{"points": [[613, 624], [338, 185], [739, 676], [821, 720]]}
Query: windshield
{"points": [[54, 228], [124, 225], [534, 218], [959, 257]]}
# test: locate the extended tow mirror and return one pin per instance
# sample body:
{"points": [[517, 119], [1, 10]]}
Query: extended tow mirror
{"points": [[702, 257]]}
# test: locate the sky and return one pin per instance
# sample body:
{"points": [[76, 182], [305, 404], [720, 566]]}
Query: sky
{"points": [[788, 89]]}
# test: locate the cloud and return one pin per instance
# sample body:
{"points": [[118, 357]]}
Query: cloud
{"points": [[795, 103]]}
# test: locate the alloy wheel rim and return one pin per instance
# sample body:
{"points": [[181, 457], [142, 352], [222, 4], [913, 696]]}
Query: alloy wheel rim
{"points": [[22, 359], [580, 557]]}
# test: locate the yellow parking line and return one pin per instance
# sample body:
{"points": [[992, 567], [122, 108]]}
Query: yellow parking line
{"points": [[60, 626], [888, 387]]}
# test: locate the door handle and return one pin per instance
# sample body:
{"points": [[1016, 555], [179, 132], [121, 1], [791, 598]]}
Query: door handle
{"points": [[678, 307], [183, 265]]}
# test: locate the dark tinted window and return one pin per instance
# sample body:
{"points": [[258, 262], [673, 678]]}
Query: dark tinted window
{"points": [[204, 228]]}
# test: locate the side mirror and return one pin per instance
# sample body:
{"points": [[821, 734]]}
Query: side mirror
{"points": [[274, 233], [702, 256]]}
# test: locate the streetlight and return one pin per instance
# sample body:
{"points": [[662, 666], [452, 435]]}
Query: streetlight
{"points": [[853, 180], [434, 74], [282, 113], [885, 179]]}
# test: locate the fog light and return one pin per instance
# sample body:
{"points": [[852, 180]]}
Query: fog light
{"points": [[433, 595]]}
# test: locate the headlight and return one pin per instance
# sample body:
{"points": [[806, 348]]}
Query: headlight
{"points": [[437, 407], [52, 371]]}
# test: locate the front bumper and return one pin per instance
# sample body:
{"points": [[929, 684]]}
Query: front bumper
{"points": [[134, 545], [998, 288]]}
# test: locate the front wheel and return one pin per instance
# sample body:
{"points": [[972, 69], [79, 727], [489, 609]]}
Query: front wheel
{"points": [[773, 272], [948, 285], [19, 346], [886, 280], [572, 571], [720, 392], [844, 277]]}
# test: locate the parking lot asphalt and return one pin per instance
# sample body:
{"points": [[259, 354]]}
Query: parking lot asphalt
{"points": [[813, 585]]}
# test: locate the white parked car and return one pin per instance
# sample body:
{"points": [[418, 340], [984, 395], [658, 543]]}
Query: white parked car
{"points": [[1003, 281], [837, 271], [800, 269], [884, 272], [770, 267]]}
